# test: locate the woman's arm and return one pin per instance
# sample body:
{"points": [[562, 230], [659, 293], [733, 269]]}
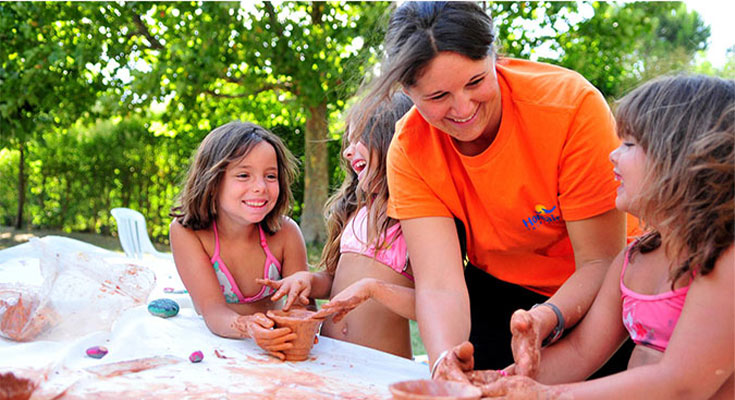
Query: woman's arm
{"points": [[595, 241], [442, 301]]}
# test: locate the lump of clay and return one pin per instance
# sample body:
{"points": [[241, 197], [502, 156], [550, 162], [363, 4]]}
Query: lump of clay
{"points": [[434, 389], [196, 356], [23, 317], [302, 325], [164, 308], [97, 351], [13, 387]]}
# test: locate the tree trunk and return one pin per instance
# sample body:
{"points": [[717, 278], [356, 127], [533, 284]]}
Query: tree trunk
{"points": [[316, 176], [21, 187]]}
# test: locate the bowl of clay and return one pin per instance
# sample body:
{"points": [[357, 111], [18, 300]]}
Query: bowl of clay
{"points": [[300, 323], [426, 389]]}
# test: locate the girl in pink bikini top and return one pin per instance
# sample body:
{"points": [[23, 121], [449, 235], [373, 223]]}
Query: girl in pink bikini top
{"points": [[271, 270], [239, 187]]}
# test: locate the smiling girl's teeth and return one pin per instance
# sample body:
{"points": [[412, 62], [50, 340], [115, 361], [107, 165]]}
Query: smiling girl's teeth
{"points": [[255, 203], [360, 165]]}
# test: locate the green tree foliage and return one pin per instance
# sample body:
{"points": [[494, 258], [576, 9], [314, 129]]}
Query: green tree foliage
{"points": [[103, 104], [279, 64], [44, 79], [614, 45]]}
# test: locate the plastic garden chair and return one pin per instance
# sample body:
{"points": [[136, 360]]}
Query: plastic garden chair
{"points": [[133, 234]]}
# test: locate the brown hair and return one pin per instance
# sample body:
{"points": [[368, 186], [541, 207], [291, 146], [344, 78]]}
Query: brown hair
{"points": [[686, 126], [377, 135], [417, 32], [230, 142]]}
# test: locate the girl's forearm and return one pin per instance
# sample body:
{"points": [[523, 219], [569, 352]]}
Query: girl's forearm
{"points": [[399, 299], [224, 322], [321, 285]]}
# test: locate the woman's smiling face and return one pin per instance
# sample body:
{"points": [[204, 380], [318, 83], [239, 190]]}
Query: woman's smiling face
{"points": [[461, 97]]}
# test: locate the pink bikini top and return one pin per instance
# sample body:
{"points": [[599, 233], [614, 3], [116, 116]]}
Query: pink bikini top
{"points": [[272, 270], [393, 253], [651, 318]]}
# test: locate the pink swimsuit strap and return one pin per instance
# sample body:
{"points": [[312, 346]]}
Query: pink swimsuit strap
{"points": [[271, 270]]}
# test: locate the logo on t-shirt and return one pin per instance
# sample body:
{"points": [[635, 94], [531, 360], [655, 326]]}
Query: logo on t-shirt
{"points": [[542, 215]]}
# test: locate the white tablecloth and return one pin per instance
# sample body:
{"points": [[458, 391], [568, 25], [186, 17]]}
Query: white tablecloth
{"points": [[148, 355]]}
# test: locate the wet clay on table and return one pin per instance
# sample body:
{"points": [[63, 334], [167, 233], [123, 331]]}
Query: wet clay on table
{"points": [[300, 323], [425, 389], [14, 388]]}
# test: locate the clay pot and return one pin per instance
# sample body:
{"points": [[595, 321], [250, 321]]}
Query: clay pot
{"points": [[425, 389], [302, 325]]}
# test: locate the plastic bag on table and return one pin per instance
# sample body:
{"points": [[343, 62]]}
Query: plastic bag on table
{"points": [[81, 293]]}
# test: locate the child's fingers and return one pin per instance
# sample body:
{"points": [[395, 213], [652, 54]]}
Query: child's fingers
{"points": [[278, 355], [268, 282], [278, 347], [289, 303], [263, 321], [338, 317], [279, 293]]}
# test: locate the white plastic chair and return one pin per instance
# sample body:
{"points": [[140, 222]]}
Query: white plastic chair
{"points": [[133, 234]]}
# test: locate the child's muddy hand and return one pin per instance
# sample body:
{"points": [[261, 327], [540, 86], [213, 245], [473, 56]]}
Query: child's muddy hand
{"points": [[455, 364], [349, 299], [296, 286], [274, 341], [526, 343]]}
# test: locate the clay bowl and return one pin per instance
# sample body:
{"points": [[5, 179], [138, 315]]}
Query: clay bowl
{"points": [[426, 389], [302, 325]]}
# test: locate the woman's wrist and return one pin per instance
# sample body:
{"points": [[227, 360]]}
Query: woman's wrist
{"points": [[556, 325], [438, 361]]}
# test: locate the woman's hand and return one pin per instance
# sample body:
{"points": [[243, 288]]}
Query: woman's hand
{"points": [[526, 343], [454, 366], [296, 286], [348, 299], [259, 327], [520, 388]]}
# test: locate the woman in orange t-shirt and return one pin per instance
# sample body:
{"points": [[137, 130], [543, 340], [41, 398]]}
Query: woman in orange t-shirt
{"points": [[503, 163]]}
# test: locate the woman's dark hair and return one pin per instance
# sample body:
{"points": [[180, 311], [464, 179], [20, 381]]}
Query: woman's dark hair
{"points": [[197, 203], [417, 32]]}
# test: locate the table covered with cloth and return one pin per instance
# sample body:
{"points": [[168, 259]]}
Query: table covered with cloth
{"points": [[99, 298]]}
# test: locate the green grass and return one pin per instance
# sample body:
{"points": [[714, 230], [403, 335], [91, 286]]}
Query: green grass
{"points": [[10, 237]]}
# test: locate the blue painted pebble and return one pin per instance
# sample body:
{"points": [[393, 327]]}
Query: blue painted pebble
{"points": [[196, 356], [97, 351], [163, 308]]}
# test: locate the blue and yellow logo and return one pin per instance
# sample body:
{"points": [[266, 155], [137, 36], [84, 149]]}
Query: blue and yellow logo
{"points": [[542, 215]]}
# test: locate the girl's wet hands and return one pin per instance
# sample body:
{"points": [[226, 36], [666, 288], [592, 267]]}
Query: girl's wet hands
{"points": [[260, 328], [347, 300], [454, 366], [526, 343], [296, 286]]}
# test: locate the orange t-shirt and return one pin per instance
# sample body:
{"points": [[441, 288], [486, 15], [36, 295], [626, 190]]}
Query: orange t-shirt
{"points": [[548, 164]]}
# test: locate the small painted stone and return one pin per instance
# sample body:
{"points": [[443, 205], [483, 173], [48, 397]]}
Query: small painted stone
{"points": [[196, 356], [163, 308], [97, 351]]}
